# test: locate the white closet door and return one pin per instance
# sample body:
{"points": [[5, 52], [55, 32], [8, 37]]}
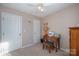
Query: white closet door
{"points": [[36, 31], [11, 32]]}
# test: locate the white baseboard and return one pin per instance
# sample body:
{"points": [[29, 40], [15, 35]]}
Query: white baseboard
{"points": [[29, 45], [66, 50], [2, 54]]}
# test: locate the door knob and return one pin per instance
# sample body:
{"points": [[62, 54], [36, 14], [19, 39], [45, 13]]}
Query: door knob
{"points": [[19, 34], [3, 34]]}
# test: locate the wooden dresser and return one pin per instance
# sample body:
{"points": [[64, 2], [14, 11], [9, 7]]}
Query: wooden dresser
{"points": [[74, 41]]}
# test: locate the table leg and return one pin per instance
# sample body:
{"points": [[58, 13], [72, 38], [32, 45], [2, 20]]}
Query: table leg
{"points": [[58, 44], [56, 47]]}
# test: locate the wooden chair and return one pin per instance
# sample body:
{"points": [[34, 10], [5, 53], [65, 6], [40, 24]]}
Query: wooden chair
{"points": [[56, 42], [47, 44], [52, 40]]}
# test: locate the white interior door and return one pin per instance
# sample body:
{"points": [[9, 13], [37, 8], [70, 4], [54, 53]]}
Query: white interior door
{"points": [[36, 31], [11, 32]]}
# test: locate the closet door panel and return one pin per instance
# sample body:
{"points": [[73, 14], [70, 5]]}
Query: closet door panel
{"points": [[36, 31], [11, 32]]}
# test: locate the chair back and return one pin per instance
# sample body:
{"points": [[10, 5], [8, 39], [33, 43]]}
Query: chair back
{"points": [[45, 38]]}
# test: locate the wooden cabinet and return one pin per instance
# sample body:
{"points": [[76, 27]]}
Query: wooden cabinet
{"points": [[74, 41]]}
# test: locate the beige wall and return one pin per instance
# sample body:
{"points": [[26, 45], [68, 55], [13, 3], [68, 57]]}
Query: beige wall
{"points": [[27, 28], [0, 28], [60, 23]]}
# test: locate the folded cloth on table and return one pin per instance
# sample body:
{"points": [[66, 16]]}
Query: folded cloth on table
{"points": [[54, 34]]}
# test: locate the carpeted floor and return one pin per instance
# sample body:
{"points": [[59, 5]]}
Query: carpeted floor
{"points": [[35, 50]]}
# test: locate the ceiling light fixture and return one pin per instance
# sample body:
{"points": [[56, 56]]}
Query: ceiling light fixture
{"points": [[41, 7]]}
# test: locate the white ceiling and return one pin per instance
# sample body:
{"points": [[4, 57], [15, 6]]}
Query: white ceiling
{"points": [[31, 8]]}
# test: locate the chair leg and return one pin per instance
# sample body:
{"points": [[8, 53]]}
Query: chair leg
{"points": [[43, 45], [49, 49]]}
